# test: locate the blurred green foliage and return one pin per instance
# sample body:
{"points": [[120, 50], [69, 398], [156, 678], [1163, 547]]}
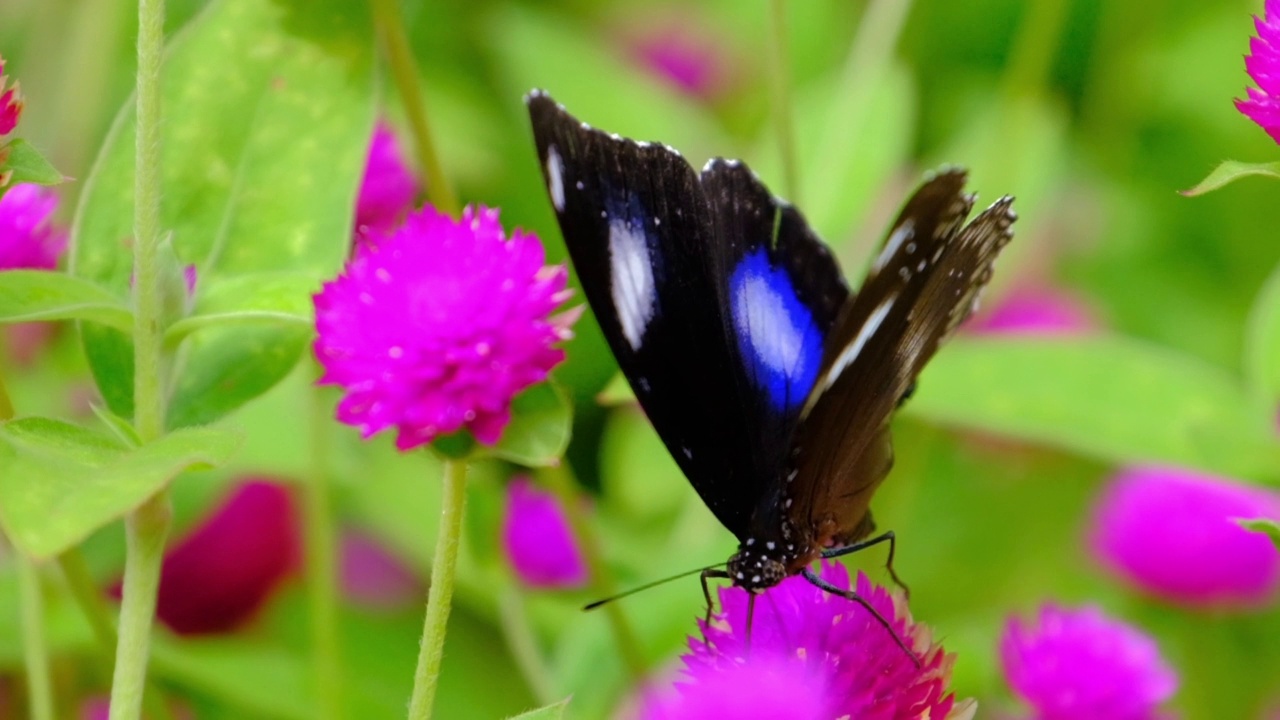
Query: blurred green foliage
{"points": [[1094, 114]]}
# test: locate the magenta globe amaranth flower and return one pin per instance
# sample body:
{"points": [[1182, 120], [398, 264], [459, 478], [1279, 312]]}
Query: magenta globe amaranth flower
{"points": [[1263, 65], [10, 103], [437, 327], [832, 648], [373, 576], [1073, 664], [220, 574], [1173, 533], [388, 189], [28, 237], [538, 540], [1042, 311]]}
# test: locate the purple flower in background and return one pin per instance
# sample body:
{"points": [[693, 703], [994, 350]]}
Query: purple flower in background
{"points": [[389, 187], [1263, 65], [1173, 533], [218, 576], [1035, 311], [439, 325], [1073, 664], [10, 103], [28, 238], [373, 576], [538, 540], [841, 659], [684, 58]]}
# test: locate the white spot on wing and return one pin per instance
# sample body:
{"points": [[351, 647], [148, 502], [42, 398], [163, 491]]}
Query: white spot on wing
{"points": [[763, 318], [632, 279], [555, 178], [868, 329], [905, 231]]}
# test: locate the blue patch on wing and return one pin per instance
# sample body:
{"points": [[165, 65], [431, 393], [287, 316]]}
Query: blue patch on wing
{"points": [[779, 341]]}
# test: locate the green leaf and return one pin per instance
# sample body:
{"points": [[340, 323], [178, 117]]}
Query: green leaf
{"points": [[1270, 528], [1262, 341], [28, 165], [1230, 171], [61, 482], [32, 295], [617, 392], [1111, 398], [554, 711], [228, 366], [541, 422], [264, 153], [282, 299]]}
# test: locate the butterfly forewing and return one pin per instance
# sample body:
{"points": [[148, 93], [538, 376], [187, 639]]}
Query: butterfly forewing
{"points": [[921, 286], [714, 297]]}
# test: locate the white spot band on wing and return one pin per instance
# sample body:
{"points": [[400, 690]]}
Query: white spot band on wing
{"points": [[555, 178], [632, 279], [850, 352], [905, 231]]}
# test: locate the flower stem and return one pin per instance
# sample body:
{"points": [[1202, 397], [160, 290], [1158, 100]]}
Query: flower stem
{"points": [[562, 483], [440, 595], [780, 92], [400, 57], [88, 597], [35, 654], [1035, 47], [322, 585], [522, 643], [147, 526]]}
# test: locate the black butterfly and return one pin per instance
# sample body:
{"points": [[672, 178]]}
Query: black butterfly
{"points": [[769, 382]]}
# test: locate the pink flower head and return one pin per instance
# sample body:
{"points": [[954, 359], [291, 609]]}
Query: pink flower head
{"points": [[28, 240], [217, 577], [373, 576], [538, 539], [1035, 311], [682, 57], [389, 188], [10, 103], [837, 655], [1263, 65], [1173, 533], [439, 325], [1082, 664]]}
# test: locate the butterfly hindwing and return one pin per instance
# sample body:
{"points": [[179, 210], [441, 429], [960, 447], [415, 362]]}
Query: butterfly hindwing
{"points": [[715, 298]]}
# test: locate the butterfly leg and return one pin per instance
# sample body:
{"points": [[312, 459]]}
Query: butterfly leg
{"points": [[707, 574], [855, 597], [863, 545]]}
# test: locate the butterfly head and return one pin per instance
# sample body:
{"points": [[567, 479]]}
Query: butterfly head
{"points": [[755, 567]]}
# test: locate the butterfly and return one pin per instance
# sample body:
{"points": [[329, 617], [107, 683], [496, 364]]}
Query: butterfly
{"points": [[770, 383]]}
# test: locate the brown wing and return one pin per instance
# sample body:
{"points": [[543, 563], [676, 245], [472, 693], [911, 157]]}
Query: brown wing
{"points": [[924, 283]]}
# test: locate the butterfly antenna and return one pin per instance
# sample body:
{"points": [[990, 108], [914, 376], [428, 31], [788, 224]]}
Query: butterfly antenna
{"points": [[655, 583], [855, 597]]}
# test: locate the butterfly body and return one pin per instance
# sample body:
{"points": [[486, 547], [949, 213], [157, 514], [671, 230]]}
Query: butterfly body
{"points": [[770, 383]]}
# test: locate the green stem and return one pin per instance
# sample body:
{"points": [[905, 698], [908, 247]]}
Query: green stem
{"points": [[35, 654], [322, 583], [88, 597], [405, 72], [146, 530], [523, 644], [147, 526], [780, 92], [562, 483], [1035, 47], [440, 595]]}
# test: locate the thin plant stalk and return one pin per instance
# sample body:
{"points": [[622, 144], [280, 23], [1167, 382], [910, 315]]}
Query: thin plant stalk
{"points": [[440, 596], [147, 526], [522, 642], [405, 73], [322, 577], [780, 98], [35, 653]]}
